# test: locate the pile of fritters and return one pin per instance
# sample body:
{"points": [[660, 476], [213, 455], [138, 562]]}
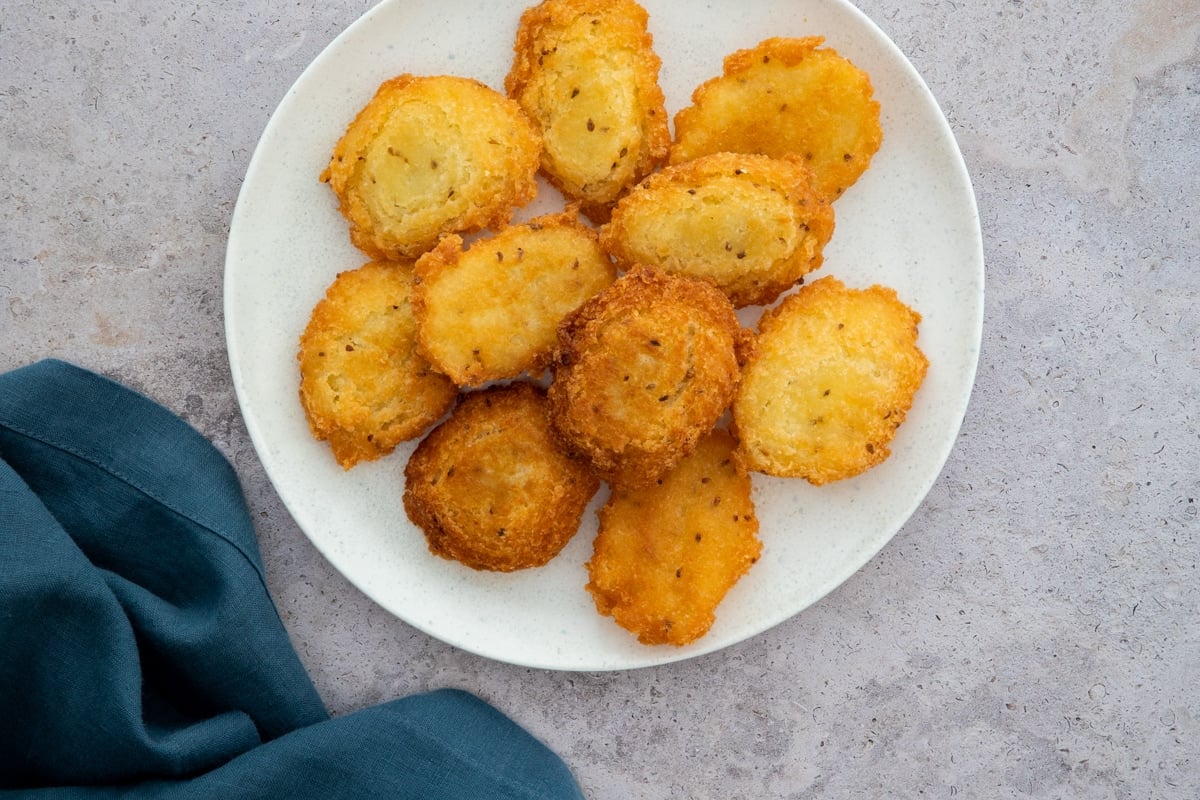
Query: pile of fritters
{"points": [[633, 324]]}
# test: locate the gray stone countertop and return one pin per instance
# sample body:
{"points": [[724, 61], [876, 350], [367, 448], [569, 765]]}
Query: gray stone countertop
{"points": [[1033, 630]]}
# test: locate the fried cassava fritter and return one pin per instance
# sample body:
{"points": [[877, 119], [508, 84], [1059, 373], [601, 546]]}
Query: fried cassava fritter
{"points": [[430, 155], [490, 487], [491, 311], [644, 369], [666, 555], [787, 96], [751, 224], [586, 73], [363, 385], [832, 378]]}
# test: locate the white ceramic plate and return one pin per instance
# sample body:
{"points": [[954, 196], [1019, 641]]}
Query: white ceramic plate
{"points": [[910, 223]]}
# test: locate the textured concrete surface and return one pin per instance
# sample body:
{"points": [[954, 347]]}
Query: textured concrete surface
{"points": [[1032, 632]]}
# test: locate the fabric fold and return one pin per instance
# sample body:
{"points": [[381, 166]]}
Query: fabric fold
{"points": [[141, 653]]}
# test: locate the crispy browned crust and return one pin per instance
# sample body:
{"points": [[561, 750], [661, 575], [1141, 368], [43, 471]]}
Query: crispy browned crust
{"points": [[586, 73], [751, 224], [787, 96], [666, 555], [643, 370], [833, 377], [492, 311], [430, 155], [489, 486], [363, 386]]}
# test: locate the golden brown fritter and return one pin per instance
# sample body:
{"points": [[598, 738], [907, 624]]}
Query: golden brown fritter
{"points": [[586, 73], [833, 377], [432, 155], [644, 369], [490, 488], [751, 224], [666, 555], [363, 386], [787, 96], [492, 311]]}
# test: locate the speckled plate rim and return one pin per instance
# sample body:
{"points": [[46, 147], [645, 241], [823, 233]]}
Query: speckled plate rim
{"points": [[911, 223]]}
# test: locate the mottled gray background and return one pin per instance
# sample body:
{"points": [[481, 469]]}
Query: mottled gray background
{"points": [[1032, 631]]}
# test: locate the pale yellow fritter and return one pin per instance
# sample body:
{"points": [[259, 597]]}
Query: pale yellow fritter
{"points": [[432, 155], [666, 555], [834, 375], [787, 96], [492, 311], [644, 369], [363, 386], [586, 72], [489, 486], [751, 224]]}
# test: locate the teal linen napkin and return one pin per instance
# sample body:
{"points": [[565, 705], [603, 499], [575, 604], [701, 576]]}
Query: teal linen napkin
{"points": [[141, 654]]}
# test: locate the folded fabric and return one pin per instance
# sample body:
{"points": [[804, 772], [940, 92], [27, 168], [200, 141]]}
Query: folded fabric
{"points": [[141, 654]]}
